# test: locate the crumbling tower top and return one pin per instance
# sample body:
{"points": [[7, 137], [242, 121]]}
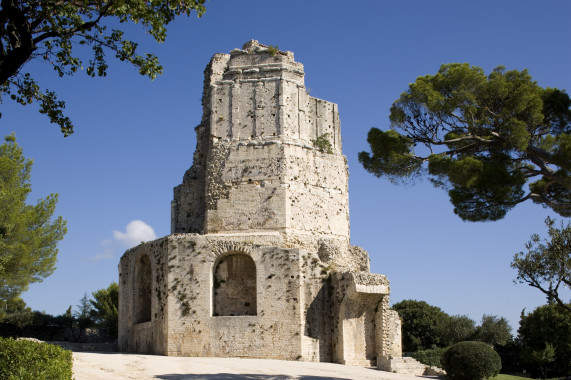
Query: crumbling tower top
{"points": [[268, 155], [259, 92]]}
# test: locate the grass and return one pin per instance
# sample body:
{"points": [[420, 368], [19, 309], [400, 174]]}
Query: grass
{"points": [[510, 377]]}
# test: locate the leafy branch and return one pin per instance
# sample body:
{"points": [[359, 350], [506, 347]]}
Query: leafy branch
{"points": [[48, 31]]}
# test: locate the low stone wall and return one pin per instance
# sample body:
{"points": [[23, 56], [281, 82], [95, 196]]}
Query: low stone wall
{"points": [[408, 366]]}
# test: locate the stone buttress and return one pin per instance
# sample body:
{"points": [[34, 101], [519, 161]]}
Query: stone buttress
{"points": [[259, 262]]}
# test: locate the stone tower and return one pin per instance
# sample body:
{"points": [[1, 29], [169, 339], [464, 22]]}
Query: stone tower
{"points": [[256, 168], [259, 262]]}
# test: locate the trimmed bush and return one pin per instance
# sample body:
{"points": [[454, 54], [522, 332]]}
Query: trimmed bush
{"points": [[431, 357], [471, 361], [24, 359]]}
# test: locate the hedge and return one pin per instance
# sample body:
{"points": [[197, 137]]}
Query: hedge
{"points": [[432, 357], [29, 360]]}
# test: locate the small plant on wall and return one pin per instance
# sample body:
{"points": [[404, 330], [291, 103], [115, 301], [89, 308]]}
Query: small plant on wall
{"points": [[273, 50], [322, 144]]}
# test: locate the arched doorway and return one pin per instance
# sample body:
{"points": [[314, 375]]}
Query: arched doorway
{"points": [[234, 282]]}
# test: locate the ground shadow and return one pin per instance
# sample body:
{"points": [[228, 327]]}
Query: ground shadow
{"points": [[231, 376]]}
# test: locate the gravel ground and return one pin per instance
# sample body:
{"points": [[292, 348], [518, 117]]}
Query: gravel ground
{"points": [[115, 366]]}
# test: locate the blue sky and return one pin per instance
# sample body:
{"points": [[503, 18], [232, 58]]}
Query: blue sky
{"points": [[135, 138]]}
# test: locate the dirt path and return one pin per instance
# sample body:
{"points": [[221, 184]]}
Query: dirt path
{"points": [[116, 366]]}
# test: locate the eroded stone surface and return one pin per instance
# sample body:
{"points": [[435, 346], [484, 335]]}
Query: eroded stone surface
{"points": [[259, 263]]}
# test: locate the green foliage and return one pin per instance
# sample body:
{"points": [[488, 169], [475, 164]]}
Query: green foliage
{"points": [[510, 354], [31, 360], [84, 313], [12, 305], [323, 144], [543, 358], [432, 357], [493, 330], [48, 31], [392, 155], [66, 319], [457, 328], [421, 323], [105, 308], [30, 318], [545, 333], [425, 327], [485, 138], [471, 361], [273, 50], [28, 235], [547, 265]]}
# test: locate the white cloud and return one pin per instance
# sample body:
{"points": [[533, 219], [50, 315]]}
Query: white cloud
{"points": [[136, 232]]}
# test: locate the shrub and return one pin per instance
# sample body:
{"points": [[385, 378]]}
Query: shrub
{"points": [[24, 359], [431, 357], [471, 361]]}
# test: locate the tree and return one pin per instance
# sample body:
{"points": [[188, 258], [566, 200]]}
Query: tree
{"points": [[28, 235], [547, 265], [13, 305], [457, 328], [105, 308], [493, 331], [542, 358], [49, 30], [84, 314], [421, 324], [547, 326], [482, 138]]}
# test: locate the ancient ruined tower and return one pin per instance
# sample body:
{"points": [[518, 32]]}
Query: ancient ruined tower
{"points": [[259, 262]]}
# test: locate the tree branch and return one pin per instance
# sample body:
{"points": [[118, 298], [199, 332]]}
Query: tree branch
{"points": [[85, 26], [550, 203]]}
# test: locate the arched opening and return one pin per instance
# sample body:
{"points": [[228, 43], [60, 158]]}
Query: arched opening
{"points": [[143, 281], [234, 279]]}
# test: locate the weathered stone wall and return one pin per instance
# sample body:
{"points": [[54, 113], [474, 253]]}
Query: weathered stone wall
{"points": [[194, 329], [358, 309], [138, 334], [304, 308], [275, 186], [294, 300], [244, 188], [188, 207]]}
